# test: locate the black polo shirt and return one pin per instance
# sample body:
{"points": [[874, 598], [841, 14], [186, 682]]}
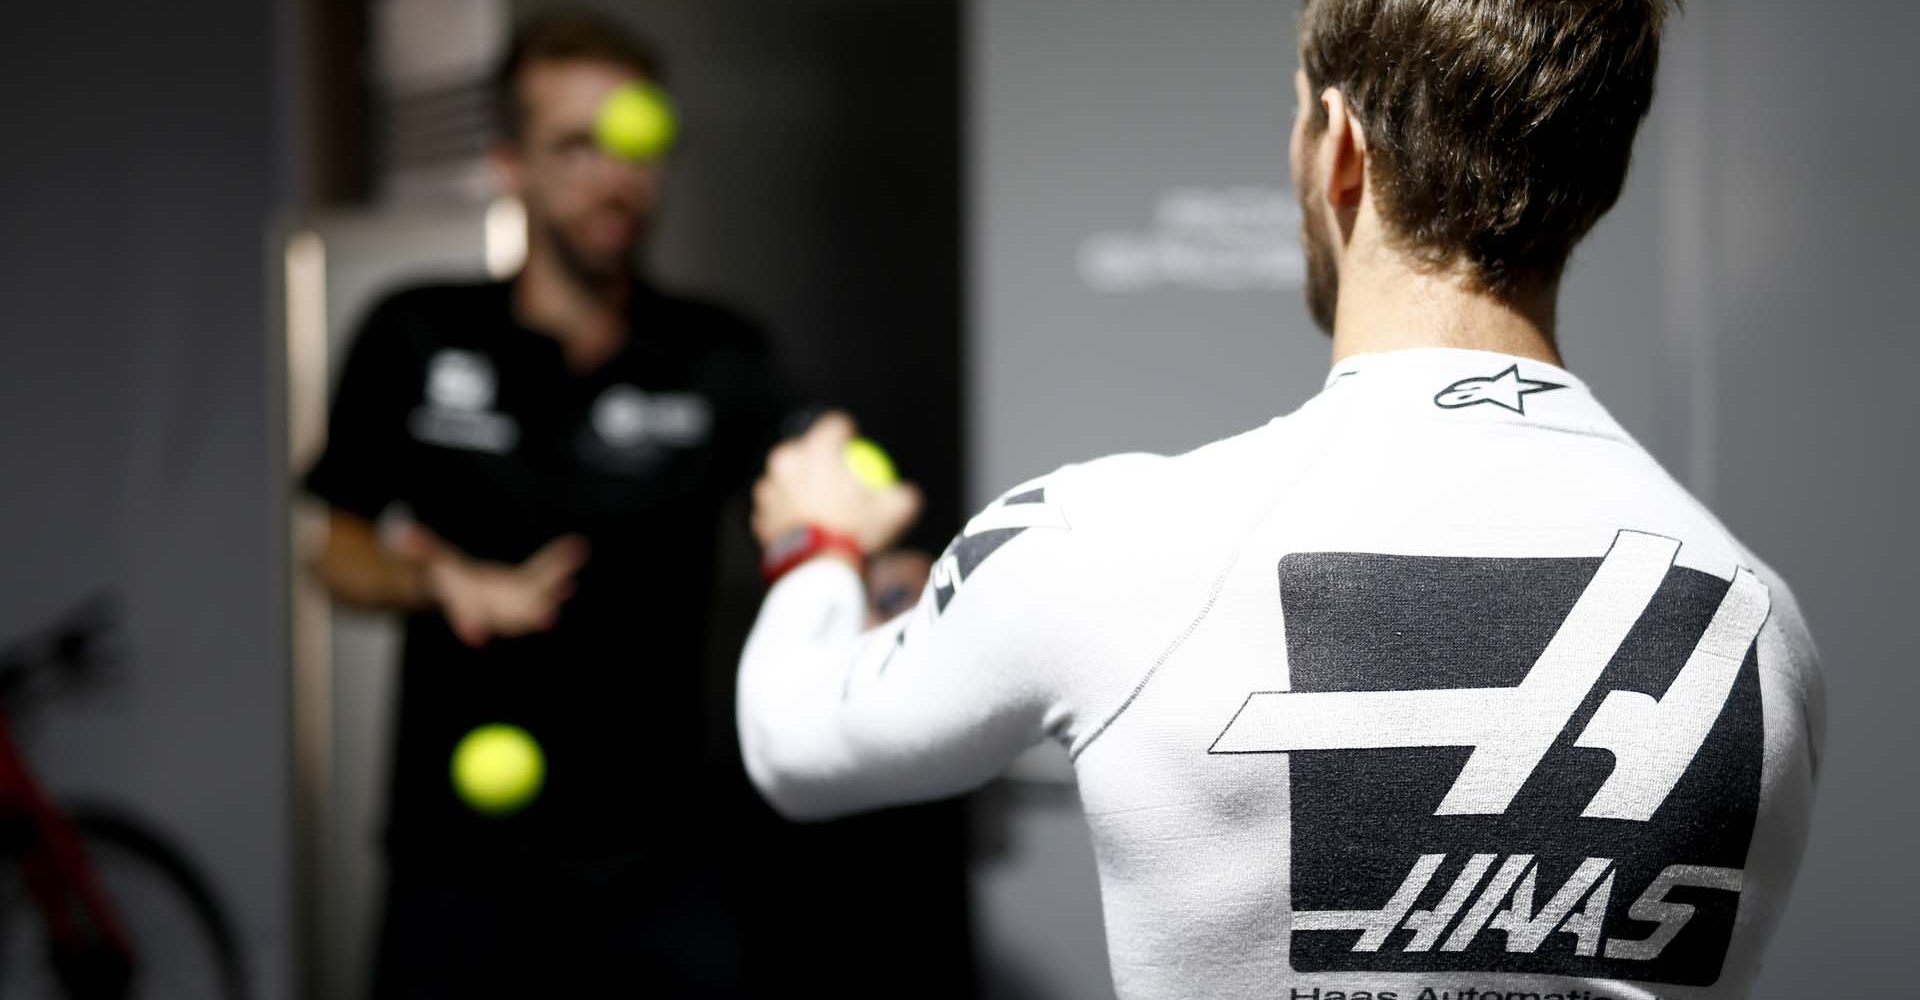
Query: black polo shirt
{"points": [[475, 423]]}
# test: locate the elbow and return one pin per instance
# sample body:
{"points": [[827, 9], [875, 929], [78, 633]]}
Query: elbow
{"points": [[788, 788], [324, 569], [792, 802], [794, 729], [804, 779], [333, 568]]}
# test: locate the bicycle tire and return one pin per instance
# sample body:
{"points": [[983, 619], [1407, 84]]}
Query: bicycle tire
{"points": [[113, 838]]}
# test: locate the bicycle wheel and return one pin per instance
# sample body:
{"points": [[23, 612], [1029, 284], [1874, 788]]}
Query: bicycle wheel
{"points": [[184, 945]]}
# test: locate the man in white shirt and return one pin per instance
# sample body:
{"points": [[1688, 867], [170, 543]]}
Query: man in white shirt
{"points": [[1436, 688]]}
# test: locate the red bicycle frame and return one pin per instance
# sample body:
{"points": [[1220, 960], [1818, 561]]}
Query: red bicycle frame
{"points": [[91, 951]]}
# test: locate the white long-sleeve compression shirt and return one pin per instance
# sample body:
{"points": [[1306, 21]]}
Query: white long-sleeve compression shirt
{"points": [[1437, 684]]}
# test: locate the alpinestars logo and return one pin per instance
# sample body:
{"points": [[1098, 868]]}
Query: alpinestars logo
{"points": [[1520, 765], [1506, 390]]}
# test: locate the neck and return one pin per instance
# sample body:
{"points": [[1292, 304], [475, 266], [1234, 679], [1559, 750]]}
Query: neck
{"points": [[1388, 305], [589, 319]]}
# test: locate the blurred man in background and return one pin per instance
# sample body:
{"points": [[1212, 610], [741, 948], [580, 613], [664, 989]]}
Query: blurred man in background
{"points": [[561, 444], [1437, 686]]}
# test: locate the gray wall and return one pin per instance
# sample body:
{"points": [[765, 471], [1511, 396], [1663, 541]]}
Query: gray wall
{"points": [[1738, 311], [1811, 220], [1089, 117], [140, 167]]}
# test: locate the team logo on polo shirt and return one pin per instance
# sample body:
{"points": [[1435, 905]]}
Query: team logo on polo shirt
{"points": [[626, 418], [1516, 765], [620, 416], [460, 380], [457, 412]]}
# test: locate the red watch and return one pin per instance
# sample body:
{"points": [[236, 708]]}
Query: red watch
{"points": [[802, 544]]}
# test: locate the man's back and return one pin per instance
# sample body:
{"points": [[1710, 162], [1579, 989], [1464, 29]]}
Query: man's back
{"points": [[1437, 683], [1439, 688], [1468, 695]]}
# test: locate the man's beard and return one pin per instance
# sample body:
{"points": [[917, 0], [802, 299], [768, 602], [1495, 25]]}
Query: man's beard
{"points": [[1323, 268], [589, 269]]}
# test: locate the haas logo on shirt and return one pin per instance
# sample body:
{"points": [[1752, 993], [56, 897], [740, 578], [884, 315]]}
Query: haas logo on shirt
{"points": [[1516, 765]]}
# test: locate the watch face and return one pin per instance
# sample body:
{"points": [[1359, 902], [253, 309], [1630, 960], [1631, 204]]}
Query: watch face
{"points": [[787, 545]]}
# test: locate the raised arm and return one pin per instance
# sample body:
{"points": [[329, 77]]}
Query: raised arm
{"points": [[836, 718]]}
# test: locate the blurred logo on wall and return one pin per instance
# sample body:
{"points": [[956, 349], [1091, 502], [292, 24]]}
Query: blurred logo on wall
{"points": [[1202, 239]]}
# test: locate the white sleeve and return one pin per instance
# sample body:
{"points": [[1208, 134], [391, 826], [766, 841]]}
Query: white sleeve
{"points": [[834, 719]]}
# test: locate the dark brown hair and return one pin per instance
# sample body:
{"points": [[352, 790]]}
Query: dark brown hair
{"points": [[564, 36], [1498, 131]]}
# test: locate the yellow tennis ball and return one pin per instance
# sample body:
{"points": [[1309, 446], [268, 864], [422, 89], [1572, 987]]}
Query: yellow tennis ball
{"points": [[498, 769], [636, 123], [870, 464]]}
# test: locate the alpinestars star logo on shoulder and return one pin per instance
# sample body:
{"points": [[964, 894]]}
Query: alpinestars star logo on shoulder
{"points": [[1516, 765], [1508, 390]]}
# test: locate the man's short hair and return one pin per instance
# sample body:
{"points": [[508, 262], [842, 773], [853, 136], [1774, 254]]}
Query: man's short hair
{"points": [[565, 36], [1498, 131]]}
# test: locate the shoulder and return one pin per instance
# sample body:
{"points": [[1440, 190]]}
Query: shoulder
{"points": [[421, 316], [1788, 658], [1784, 617], [1123, 523], [1785, 626], [1188, 494], [1713, 546], [441, 299]]}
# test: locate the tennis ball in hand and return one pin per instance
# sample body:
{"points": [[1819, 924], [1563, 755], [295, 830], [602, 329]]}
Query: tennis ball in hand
{"points": [[636, 123], [498, 769], [870, 464]]}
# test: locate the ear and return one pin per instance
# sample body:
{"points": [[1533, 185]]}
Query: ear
{"points": [[1342, 153], [509, 168]]}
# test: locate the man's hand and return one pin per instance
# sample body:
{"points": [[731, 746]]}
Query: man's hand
{"points": [[483, 600], [807, 482]]}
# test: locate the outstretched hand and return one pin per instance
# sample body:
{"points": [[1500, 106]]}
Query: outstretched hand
{"points": [[484, 600]]}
